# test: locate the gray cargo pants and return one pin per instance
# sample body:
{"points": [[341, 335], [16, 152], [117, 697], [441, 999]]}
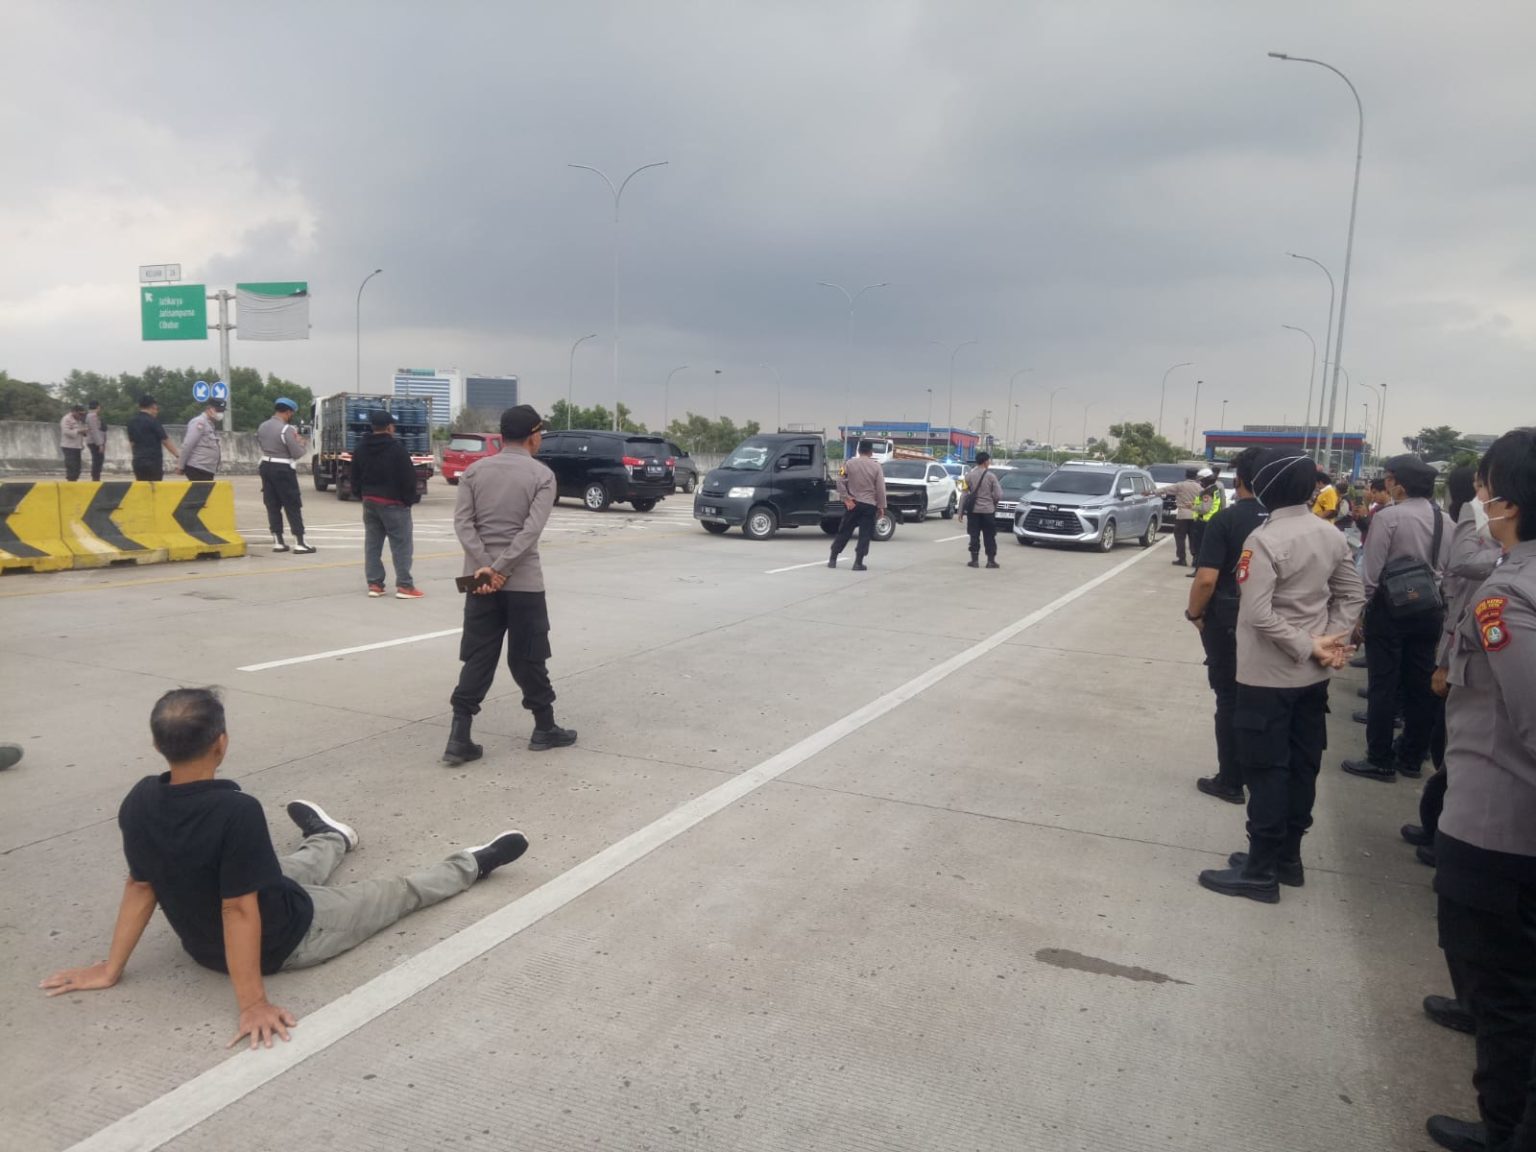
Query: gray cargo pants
{"points": [[348, 914]]}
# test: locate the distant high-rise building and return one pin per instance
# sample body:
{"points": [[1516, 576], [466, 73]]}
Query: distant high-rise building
{"points": [[452, 392], [492, 394]]}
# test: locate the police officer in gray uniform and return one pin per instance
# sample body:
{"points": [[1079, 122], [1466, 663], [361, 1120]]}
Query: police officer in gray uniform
{"points": [[281, 449], [201, 452], [1485, 848], [1299, 598], [502, 506], [862, 488]]}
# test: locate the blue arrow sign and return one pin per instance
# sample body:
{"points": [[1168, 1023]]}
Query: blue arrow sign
{"points": [[221, 391], [200, 391]]}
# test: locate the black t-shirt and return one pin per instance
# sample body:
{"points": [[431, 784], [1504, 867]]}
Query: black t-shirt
{"points": [[147, 436], [201, 843], [1222, 546]]}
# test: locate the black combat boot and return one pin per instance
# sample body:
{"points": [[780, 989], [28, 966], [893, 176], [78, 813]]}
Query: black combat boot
{"points": [[460, 748]]}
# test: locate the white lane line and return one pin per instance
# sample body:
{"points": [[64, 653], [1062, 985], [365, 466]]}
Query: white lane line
{"points": [[183, 1108], [348, 651], [793, 567], [949, 539]]}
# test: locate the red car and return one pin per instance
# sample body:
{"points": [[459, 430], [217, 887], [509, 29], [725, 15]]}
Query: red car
{"points": [[464, 449]]}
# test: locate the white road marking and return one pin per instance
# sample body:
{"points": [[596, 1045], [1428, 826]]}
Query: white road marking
{"points": [[183, 1108], [348, 651], [792, 567], [948, 539]]}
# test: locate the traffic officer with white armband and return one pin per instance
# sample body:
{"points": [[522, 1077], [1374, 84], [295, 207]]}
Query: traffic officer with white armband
{"points": [[1300, 595], [281, 449], [1485, 847]]}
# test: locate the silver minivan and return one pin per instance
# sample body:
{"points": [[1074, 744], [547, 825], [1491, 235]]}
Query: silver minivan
{"points": [[1094, 504]]}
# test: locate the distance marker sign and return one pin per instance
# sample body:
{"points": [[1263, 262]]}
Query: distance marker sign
{"points": [[174, 311]]}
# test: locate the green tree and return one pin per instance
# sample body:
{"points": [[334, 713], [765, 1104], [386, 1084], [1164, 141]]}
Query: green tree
{"points": [[1441, 443], [1139, 444], [701, 434], [562, 415], [252, 397], [24, 400]]}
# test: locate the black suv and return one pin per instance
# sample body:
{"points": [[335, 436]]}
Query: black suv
{"points": [[685, 471], [603, 468]]}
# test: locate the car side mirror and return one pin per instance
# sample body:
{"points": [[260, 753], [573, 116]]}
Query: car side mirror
{"points": [[1035, 483]]}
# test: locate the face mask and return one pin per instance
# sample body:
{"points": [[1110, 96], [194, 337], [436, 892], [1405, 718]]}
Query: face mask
{"points": [[1480, 515]]}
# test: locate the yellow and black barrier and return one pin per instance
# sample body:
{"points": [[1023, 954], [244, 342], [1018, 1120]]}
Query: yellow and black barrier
{"points": [[51, 526], [30, 536]]}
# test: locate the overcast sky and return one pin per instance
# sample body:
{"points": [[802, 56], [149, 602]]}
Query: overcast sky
{"points": [[1091, 190]]}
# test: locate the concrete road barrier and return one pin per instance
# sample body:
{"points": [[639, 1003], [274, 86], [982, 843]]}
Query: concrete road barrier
{"points": [[111, 522], [30, 535], [196, 520]]}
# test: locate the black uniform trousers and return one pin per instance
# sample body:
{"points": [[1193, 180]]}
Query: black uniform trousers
{"points": [[1220, 644], [1196, 538], [149, 469], [1280, 737], [523, 618], [1181, 530], [71, 463], [1487, 918], [862, 517], [98, 458], [1399, 665], [197, 474], [280, 493], [982, 526]]}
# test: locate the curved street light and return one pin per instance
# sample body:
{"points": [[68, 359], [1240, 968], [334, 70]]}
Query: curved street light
{"points": [[666, 398], [1327, 335], [1163, 393], [1349, 242], [1012, 407], [953, 352], [570, 385], [1311, 379], [852, 298], [358, 384], [618, 195], [1376, 396]]}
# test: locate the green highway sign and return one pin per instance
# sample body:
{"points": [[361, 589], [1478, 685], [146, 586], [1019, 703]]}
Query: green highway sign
{"points": [[174, 311]]}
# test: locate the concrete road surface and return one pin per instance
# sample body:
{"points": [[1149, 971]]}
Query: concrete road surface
{"points": [[896, 860]]}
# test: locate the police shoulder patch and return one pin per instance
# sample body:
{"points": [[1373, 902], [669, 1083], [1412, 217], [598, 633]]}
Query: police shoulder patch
{"points": [[1242, 564], [1490, 623]]}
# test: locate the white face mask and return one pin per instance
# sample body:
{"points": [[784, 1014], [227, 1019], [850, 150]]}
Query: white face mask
{"points": [[1486, 522]]}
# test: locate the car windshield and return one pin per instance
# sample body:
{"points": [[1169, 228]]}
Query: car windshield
{"points": [[1167, 473], [1019, 481], [1079, 483], [749, 457], [905, 469], [466, 444]]}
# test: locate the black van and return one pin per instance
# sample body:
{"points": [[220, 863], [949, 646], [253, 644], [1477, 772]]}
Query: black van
{"points": [[771, 482], [603, 468]]}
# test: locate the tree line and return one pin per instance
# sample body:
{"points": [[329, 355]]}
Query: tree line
{"points": [[251, 395]]}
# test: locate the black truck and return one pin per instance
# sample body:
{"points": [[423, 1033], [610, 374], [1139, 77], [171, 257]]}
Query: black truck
{"points": [[774, 481]]}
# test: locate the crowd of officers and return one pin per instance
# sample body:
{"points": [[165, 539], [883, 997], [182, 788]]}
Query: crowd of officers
{"points": [[1444, 602]]}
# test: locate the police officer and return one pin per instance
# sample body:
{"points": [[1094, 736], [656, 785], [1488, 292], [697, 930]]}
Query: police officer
{"points": [[1400, 650], [862, 487], [281, 448], [201, 452], [1486, 844], [1207, 504], [73, 431], [1300, 595], [503, 504], [96, 438], [1213, 611], [1185, 493], [983, 491]]}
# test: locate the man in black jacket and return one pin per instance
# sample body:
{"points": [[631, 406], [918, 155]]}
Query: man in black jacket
{"points": [[385, 478]]}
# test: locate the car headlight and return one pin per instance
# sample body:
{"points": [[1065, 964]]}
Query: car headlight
{"points": [[741, 493]]}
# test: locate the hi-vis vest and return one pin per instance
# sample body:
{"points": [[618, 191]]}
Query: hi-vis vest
{"points": [[1218, 499]]}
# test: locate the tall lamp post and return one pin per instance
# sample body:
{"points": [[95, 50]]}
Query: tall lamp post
{"points": [[1337, 371], [928, 436], [1306, 420], [1194, 418], [1366, 431], [953, 352], [358, 384], [852, 298], [1349, 242], [1050, 421], [618, 195], [570, 385], [666, 398], [1012, 407], [1327, 338], [1223, 415], [1163, 393], [1086, 406], [1381, 420]]}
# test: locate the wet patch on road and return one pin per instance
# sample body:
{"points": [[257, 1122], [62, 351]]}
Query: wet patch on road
{"points": [[1062, 958]]}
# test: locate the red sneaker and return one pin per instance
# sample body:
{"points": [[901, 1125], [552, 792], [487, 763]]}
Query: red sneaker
{"points": [[375, 590], [409, 593]]}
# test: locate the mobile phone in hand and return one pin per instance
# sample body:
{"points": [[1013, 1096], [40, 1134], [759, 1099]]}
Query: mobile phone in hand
{"points": [[470, 583]]}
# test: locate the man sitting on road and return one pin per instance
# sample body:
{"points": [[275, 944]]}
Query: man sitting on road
{"points": [[199, 848], [862, 487]]}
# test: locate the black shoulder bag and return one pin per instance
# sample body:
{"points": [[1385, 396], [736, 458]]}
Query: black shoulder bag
{"points": [[1408, 588]]}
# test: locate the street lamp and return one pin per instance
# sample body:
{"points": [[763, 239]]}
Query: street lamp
{"points": [[928, 435], [1366, 431], [1223, 415], [717, 395], [1194, 418], [1327, 339], [1015, 447], [779, 419], [1163, 394], [1086, 406], [1012, 407], [618, 194], [570, 385], [1311, 379], [666, 398], [1050, 420], [1349, 242], [358, 386], [953, 352], [1381, 420], [852, 298], [1337, 370]]}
